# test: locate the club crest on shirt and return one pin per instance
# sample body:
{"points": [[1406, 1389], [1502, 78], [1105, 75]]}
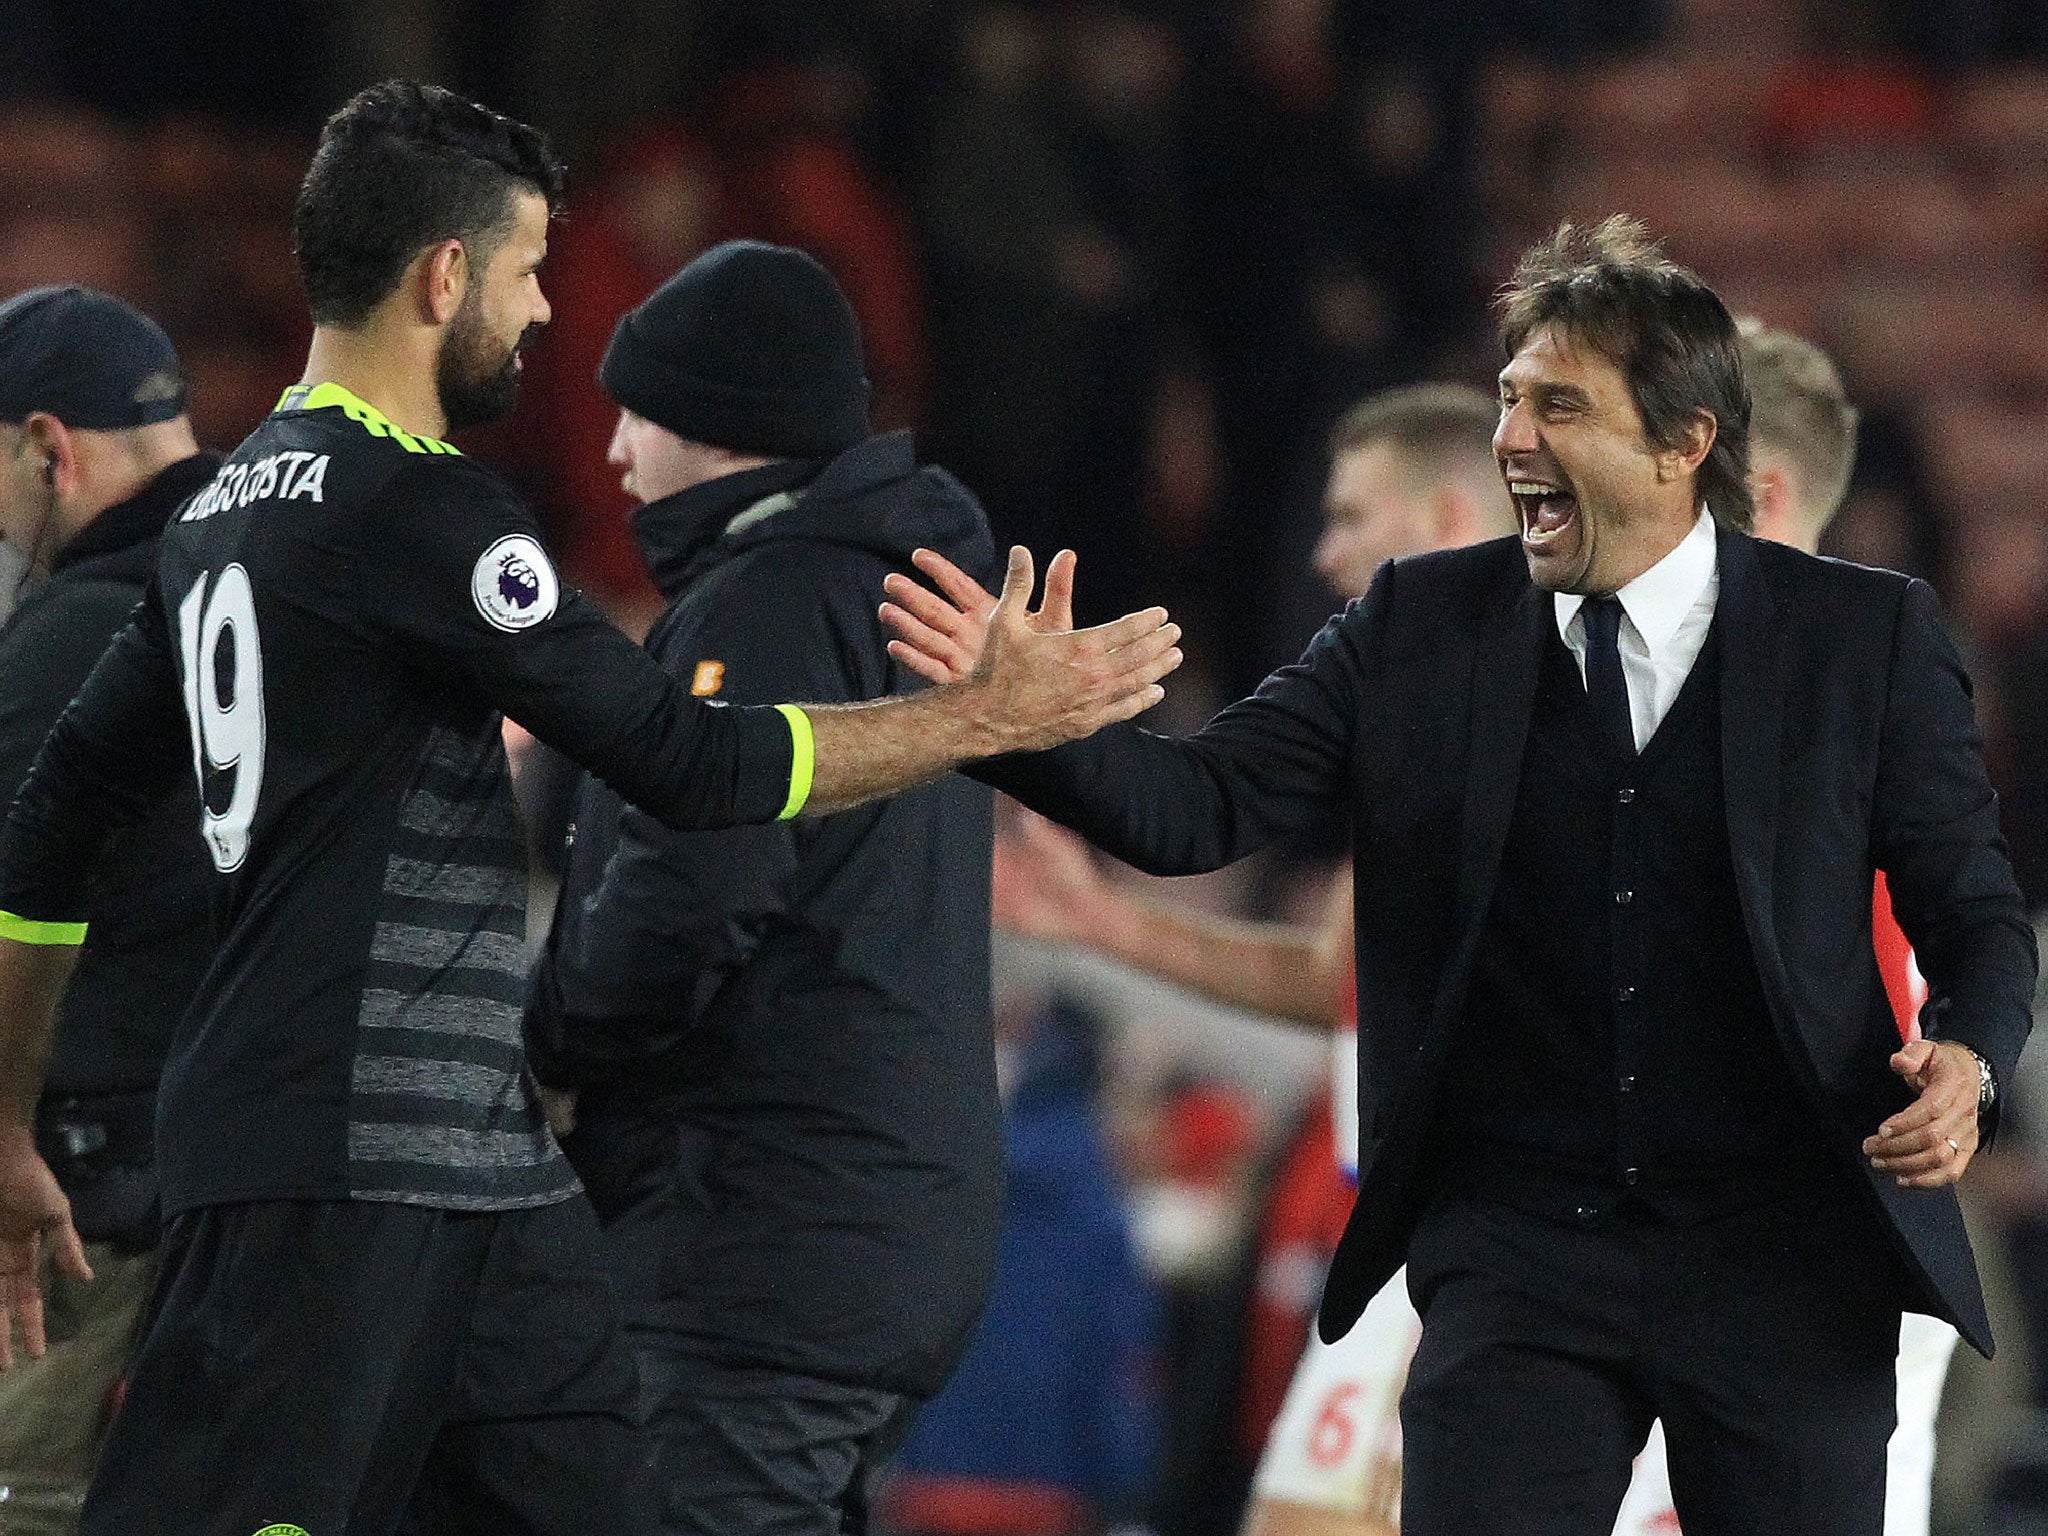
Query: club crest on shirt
{"points": [[708, 678], [514, 583]]}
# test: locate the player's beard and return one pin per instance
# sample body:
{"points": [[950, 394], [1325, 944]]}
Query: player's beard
{"points": [[477, 376]]}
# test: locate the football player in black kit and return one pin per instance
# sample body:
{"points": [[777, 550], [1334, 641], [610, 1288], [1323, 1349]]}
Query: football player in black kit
{"points": [[380, 1309]]}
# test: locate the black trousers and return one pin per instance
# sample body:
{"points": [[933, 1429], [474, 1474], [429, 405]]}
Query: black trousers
{"points": [[351, 1368], [1765, 1341]]}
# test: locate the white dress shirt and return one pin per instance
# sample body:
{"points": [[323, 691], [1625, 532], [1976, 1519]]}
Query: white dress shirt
{"points": [[1664, 617]]}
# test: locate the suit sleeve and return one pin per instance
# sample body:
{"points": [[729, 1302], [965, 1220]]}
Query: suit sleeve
{"points": [[1263, 767], [475, 596], [115, 751], [632, 963], [1936, 838]]}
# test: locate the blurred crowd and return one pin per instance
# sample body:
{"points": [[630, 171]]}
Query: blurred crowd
{"points": [[1121, 263]]}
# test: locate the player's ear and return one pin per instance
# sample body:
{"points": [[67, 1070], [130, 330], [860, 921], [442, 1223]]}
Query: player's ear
{"points": [[442, 280]]}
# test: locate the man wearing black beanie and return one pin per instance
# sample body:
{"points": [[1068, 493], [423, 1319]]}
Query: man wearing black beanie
{"points": [[778, 1039]]}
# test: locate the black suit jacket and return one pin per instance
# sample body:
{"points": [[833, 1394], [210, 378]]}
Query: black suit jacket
{"points": [[1848, 745]]}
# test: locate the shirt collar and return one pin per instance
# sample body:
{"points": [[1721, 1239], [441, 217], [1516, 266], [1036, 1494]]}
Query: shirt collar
{"points": [[1657, 601]]}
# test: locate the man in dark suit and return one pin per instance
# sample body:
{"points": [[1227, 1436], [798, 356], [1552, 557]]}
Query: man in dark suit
{"points": [[1635, 1111]]}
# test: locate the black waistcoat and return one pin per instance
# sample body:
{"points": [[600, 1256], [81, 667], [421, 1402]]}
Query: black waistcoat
{"points": [[1616, 1044]]}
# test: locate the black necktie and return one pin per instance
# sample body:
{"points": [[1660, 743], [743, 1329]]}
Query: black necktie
{"points": [[1605, 685]]}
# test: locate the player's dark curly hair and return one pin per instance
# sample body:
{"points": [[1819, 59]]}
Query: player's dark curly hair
{"points": [[1612, 289], [399, 168]]}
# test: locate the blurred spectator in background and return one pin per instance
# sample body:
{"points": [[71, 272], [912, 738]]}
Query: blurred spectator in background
{"points": [[96, 452], [1049, 1426]]}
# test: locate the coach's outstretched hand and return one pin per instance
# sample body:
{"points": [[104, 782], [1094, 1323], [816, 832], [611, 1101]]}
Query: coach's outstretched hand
{"points": [[1033, 681], [1037, 681], [940, 634], [33, 1211]]}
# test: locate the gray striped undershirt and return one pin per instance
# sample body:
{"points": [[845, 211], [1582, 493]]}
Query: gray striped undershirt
{"points": [[441, 1108]]}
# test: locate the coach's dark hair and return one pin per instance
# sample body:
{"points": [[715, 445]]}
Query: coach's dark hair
{"points": [[1673, 339], [399, 168]]}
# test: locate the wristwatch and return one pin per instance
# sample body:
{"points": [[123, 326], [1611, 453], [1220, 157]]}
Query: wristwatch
{"points": [[1987, 1084]]}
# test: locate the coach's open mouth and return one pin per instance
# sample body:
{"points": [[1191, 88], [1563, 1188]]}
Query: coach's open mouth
{"points": [[1549, 513]]}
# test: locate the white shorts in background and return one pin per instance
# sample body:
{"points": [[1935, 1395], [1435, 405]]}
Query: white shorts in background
{"points": [[1336, 1443]]}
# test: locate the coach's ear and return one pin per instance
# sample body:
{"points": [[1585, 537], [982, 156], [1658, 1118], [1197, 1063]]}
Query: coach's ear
{"points": [[441, 278], [1695, 441]]}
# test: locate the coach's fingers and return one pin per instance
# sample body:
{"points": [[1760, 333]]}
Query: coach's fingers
{"points": [[932, 608], [1949, 1167], [949, 660], [962, 589]]}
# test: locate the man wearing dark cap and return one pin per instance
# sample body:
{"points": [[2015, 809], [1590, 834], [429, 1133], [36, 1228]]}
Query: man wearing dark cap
{"points": [[778, 1038], [95, 453]]}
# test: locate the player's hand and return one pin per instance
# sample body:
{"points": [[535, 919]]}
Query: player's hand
{"points": [[942, 633], [1036, 681], [1046, 882], [33, 1214], [1930, 1142]]}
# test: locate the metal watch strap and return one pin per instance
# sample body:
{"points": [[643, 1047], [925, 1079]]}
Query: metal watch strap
{"points": [[1987, 1086]]}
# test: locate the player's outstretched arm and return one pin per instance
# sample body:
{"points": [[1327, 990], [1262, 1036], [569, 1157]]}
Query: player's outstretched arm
{"points": [[1036, 682], [33, 1210]]}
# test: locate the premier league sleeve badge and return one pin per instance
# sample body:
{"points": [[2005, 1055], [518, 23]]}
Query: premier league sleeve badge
{"points": [[514, 584]]}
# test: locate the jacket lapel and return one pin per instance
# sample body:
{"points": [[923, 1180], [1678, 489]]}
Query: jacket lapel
{"points": [[1752, 695], [1503, 695]]}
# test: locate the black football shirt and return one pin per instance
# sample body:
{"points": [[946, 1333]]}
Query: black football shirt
{"points": [[338, 621]]}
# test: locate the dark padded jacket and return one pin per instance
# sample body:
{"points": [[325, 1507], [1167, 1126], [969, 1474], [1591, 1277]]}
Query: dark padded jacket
{"points": [[149, 935], [789, 1118]]}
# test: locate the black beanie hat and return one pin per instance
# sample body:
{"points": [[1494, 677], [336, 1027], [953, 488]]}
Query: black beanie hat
{"points": [[750, 347]]}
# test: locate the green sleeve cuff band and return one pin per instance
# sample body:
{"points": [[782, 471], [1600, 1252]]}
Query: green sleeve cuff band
{"points": [[26, 930], [803, 759]]}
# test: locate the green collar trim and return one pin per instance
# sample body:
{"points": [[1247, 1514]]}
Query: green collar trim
{"points": [[315, 397]]}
